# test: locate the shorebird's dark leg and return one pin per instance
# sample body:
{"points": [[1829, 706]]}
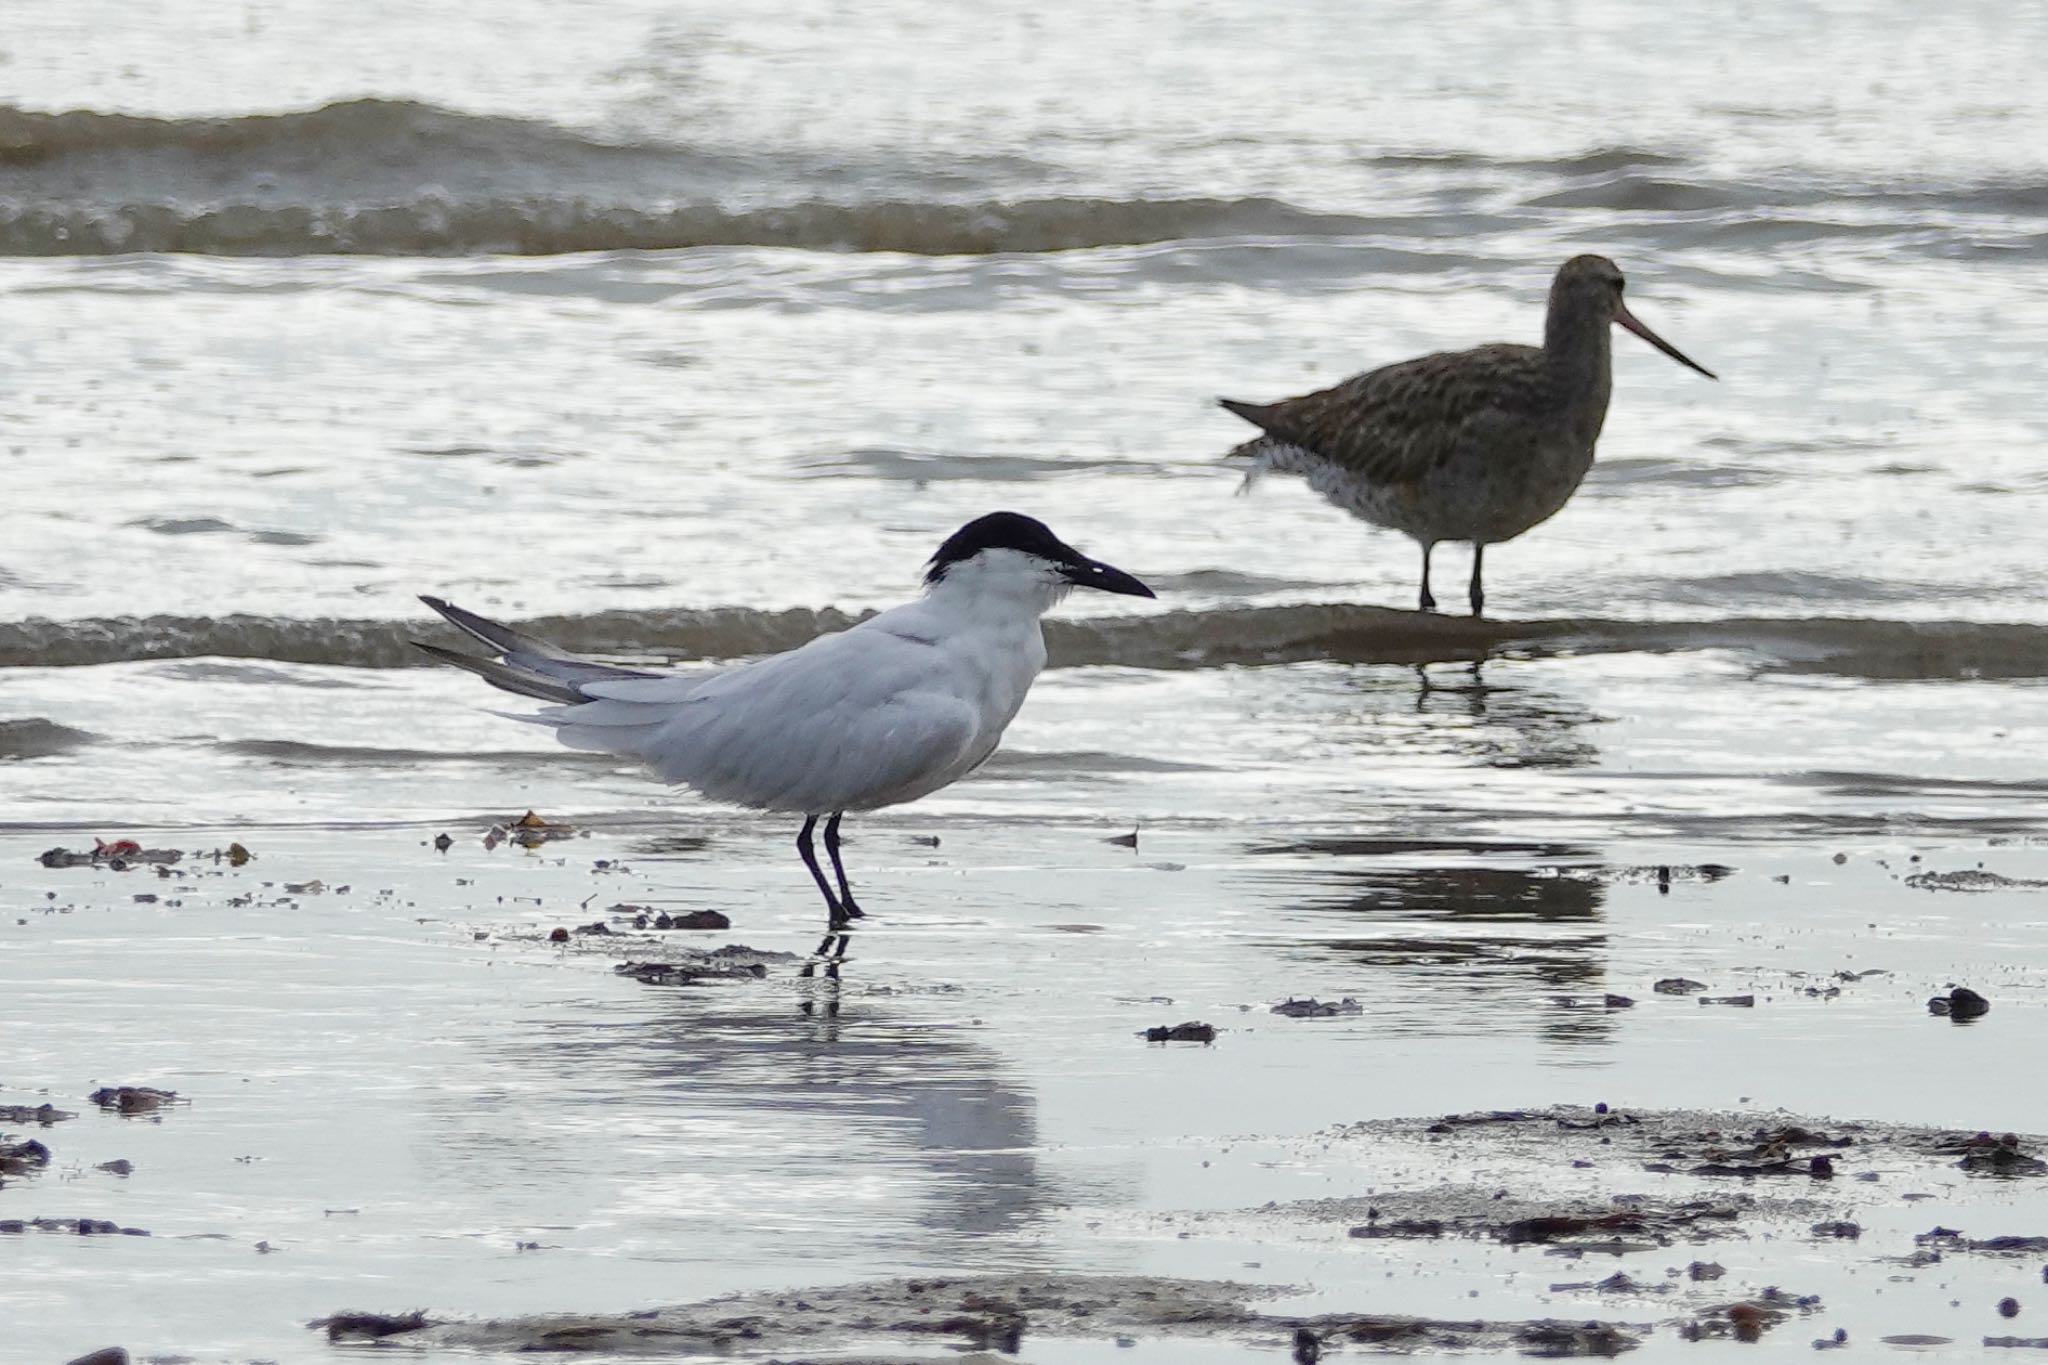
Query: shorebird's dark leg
{"points": [[834, 912], [847, 909], [1478, 593], [1428, 602]]}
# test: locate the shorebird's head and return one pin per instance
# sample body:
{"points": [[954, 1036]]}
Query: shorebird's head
{"points": [[1006, 554], [1590, 286]]}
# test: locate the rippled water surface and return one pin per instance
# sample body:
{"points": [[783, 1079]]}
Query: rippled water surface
{"points": [[687, 331]]}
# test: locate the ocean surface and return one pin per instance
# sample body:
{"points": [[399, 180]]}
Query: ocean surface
{"points": [[686, 331]]}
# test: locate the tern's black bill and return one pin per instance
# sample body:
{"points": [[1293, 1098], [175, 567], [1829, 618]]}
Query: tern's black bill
{"points": [[1636, 325], [1093, 573]]}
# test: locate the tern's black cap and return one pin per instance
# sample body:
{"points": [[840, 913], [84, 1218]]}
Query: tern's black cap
{"points": [[1015, 531], [999, 531]]}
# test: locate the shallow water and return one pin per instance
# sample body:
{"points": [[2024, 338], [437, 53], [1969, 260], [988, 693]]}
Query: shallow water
{"points": [[689, 332]]}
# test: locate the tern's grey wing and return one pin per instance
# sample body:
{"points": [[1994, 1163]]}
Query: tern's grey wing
{"points": [[1396, 424], [849, 722], [835, 760]]}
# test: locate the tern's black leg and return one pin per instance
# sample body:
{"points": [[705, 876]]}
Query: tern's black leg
{"points": [[1428, 602], [846, 905], [1478, 593], [835, 915]]}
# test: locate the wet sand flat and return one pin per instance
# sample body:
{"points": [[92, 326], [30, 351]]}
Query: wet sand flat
{"points": [[395, 1093]]}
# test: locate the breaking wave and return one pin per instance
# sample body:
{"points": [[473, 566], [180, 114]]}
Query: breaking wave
{"points": [[35, 737], [1845, 646], [392, 177], [397, 177]]}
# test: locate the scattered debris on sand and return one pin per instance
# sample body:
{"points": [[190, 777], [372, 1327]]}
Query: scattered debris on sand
{"points": [[647, 917], [116, 856], [735, 962], [368, 1326], [1661, 875], [121, 855], [1793, 1175], [1491, 1214], [21, 1156], [1747, 1320], [1960, 1003], [44, 1114], [530, 830], [1971, 879], [984, 1312], [1608, 1001], [1190, 1032], [1999, 1156], [1312, 1008], [106, 1355], [134, 1099], [1698, 1143], [82, 1227], [647, 955], [1948, 1239]]}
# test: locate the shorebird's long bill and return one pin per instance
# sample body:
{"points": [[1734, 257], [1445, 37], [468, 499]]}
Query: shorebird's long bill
{"points": [[1093, 573], [1634, 324]]}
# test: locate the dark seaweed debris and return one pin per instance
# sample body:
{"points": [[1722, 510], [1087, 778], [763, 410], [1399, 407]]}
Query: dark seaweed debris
{"points": [[1318, 1009], [118, 856], [44, 1114], [690, 973], [19, 1157], [983, 1312], [1748, 1319], [1641, 1223], [1984, 1154], [106, 1355], [1949, 1239], [368, 1326], [1710, 1144], [83, 1227], [133, 1099], [1960, 1003], [1190, 1032]]}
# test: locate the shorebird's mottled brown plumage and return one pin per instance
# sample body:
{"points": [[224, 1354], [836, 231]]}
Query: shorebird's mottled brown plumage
{"points": [[1475, 445]]}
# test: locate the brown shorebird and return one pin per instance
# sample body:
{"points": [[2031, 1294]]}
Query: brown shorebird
{"points": [[1475, 445]]}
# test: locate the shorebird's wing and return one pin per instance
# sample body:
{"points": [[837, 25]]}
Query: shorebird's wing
{"points": [[1395, 425]]}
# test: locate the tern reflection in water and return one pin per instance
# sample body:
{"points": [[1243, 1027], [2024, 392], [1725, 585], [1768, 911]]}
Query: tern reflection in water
{"points": [[712, 1116]]}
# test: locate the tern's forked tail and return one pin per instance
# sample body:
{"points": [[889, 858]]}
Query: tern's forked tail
{"points": [[599, 706], [526, 665]]}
